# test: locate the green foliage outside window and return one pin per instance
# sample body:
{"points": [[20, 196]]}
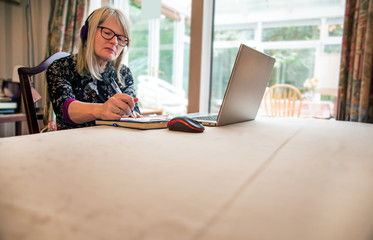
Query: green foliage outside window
{"points": [[336, 30], [291, 33], [223, 61], [293, 66], [166, 50], [333, 48], [232, 35], [138, 51]]}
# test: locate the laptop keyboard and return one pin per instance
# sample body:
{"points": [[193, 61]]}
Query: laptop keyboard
{"points": [[207, 118]]}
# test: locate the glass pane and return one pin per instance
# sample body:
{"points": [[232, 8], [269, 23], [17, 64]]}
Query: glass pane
{"points": [[336, 30], [333, 48], [159, 55], [231, 35], [224, 60], [138, 53], [293, 66], [186, 67], [291, 31], [254, 6], [166, 49]]}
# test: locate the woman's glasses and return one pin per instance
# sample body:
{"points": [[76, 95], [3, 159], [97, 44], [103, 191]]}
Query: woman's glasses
{"points": [[108, 34]]}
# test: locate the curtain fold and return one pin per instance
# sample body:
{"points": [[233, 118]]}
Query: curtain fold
{"points": [[65, 21], [355, 92]]}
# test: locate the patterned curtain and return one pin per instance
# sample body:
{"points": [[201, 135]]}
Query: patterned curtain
{"points": [[65, 21], [355, 93]]}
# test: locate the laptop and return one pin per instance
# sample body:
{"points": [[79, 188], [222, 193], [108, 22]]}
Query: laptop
{"points": [[243, 95]]}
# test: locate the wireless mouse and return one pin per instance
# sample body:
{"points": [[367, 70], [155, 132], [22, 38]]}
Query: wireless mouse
{"points": [[185, 124]]}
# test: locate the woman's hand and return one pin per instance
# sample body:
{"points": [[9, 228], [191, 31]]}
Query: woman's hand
{"points": [[119, 105], [134, 114], [138, 115]]}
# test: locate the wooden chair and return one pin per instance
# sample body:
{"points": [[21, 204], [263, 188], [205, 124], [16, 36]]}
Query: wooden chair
{"points": [[25, 74], [283, 100]]}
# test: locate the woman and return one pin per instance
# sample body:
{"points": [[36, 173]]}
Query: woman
{"points": [[94, 84]]}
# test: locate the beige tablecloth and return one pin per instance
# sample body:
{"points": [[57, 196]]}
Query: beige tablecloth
{"points": [[265, 179]]}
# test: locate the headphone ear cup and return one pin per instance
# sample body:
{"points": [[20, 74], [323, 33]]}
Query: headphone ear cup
{"points": [[84, 29], [84, 32]]}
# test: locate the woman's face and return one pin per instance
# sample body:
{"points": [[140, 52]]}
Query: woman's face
{"points": [[108, 50]]}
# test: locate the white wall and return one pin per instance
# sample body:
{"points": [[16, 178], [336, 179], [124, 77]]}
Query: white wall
{"points": [[13, 40], [13, 34]]}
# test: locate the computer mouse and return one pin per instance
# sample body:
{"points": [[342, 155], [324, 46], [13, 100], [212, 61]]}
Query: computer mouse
{"points": [[185, 124]]}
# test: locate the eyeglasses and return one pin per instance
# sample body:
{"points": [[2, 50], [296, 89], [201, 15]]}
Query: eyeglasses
{"points": [[108, 34]]}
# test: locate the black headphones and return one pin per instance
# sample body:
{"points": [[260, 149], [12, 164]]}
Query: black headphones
{"points": [[84, 29]]}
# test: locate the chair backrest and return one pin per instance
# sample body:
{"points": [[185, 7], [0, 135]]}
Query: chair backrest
{"points": [[284, 100], [25, 74]]}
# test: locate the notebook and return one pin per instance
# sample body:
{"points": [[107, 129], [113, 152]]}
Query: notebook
{"points": [[243, 95], [137, 123]]}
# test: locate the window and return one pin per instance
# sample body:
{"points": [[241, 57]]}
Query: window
{"points": [[304, 36], [159, 53], [138, 53]]}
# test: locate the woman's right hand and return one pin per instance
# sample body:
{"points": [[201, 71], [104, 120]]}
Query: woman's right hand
{"points": [[117, 106]]}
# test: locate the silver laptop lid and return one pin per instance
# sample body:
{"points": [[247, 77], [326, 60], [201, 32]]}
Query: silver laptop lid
{"points": [[249, 78]]}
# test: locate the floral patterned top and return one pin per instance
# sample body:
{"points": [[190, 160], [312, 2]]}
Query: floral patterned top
{"points": [[66, 84]]}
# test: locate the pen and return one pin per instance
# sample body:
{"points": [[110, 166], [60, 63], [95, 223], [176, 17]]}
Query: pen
{"points": [[133, 114], [117, 89]]}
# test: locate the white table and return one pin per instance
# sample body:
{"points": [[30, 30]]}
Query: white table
{"points": [[270, 178]]}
